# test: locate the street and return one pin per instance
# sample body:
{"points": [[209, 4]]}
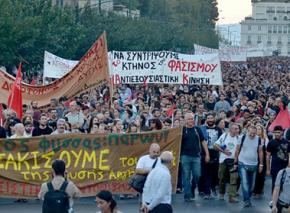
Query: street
{"points": [[87, 205]]}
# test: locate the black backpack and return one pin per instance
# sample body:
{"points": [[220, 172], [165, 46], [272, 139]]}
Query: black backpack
{"points": [[56, 201]]}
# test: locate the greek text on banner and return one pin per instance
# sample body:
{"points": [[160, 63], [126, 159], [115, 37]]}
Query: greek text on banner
{"points": [[164, 67], [94, 162]]}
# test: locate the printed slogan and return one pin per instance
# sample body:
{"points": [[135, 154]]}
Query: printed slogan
{"points": [[94, 162], [164, 67]]}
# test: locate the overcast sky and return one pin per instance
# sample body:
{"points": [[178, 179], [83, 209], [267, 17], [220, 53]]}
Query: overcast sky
{"points": [[233, 11]]}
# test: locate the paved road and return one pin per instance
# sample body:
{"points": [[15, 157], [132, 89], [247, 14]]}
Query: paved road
{"points": [[87, 205]]}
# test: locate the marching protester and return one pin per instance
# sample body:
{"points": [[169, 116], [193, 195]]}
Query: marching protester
{"points": [[209, 171], [106, 202], [60, 127], [19, 131], [146, 162], [156, 197], [278, 150], [43, 128], [58, 194], [226, 145], [281, 192], [191, 147], [248, 154]]}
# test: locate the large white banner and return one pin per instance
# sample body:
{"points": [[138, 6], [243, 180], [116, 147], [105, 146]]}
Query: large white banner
{"points": [[164, 67], [56, 67], [226, 53]]}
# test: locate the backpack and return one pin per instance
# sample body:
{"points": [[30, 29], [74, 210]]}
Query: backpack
{"points": [[283, 178], [56, 201]]}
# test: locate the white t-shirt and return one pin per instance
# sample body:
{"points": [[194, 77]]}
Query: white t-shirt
{"points": [[146, 162], [249, 151], [230, 143]]}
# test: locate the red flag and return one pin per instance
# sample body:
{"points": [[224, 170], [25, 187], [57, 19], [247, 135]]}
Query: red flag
{"points": [[282, 119], [15, 98]]}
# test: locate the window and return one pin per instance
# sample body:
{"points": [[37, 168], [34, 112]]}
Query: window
{"points": [[259, 27], [275, 29], [285, 18], [259, 40], [279, 29], [285, 29], [249, 27], [279, 40], [269, 40], [269, 28], [249, 40], [288, 40]]}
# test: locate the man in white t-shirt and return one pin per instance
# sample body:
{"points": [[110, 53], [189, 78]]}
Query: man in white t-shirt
{"points": [[249, 150], [226, 145], [145, 163]]}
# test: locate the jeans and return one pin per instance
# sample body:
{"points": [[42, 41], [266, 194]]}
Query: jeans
{"points": [[191, 172], [248, 175]]}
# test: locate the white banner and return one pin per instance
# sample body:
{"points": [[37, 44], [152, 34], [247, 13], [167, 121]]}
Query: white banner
{"points": [[226, 53], [56, 67], [164, 67]]}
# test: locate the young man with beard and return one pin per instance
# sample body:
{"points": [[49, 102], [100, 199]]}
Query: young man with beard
{"points": [[209, 171], [43, 129]]}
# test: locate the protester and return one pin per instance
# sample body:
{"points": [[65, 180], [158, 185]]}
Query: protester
{"points": [[145, 163], [191, 148], [59, 182], [156, 197], [106, 202], [248, 151], [60, 129], [281, 193], [43, 128], [19, 131], [209, 171], [260, 178], [277, 152], [226, 145]]}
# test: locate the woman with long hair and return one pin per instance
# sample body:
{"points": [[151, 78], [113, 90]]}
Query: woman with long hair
{"points": [[260, 178], [106, 202]]}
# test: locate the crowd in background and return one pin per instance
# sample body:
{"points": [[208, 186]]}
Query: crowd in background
{"points": [[253, 93]]}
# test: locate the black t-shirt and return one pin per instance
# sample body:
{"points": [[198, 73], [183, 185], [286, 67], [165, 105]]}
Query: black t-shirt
{"points": [[2, 132], [209, 106], [191, 145], [38, 131], [280, 152]]}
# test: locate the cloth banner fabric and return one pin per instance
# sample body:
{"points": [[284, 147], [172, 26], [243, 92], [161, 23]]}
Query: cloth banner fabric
{"points": [[226, 52], [92, 70], [164, 67], [94, 162], [56, 67]]}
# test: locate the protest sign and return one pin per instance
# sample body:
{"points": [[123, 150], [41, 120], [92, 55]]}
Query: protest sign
{"points": [[164, 67], [94, 162], [91, 71], [226, 52], [56, 67]]}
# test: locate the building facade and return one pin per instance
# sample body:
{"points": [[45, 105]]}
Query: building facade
{"points": [[104, 5], [269, 26]]}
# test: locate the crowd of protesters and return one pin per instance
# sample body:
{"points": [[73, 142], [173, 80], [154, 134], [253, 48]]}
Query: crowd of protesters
{"points": [[253, 94]]}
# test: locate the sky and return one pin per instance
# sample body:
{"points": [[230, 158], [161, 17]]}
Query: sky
{"points": [[233, 11]]}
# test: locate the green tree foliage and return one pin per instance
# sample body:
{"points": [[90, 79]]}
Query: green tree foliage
{"points": [[29, 27]]}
